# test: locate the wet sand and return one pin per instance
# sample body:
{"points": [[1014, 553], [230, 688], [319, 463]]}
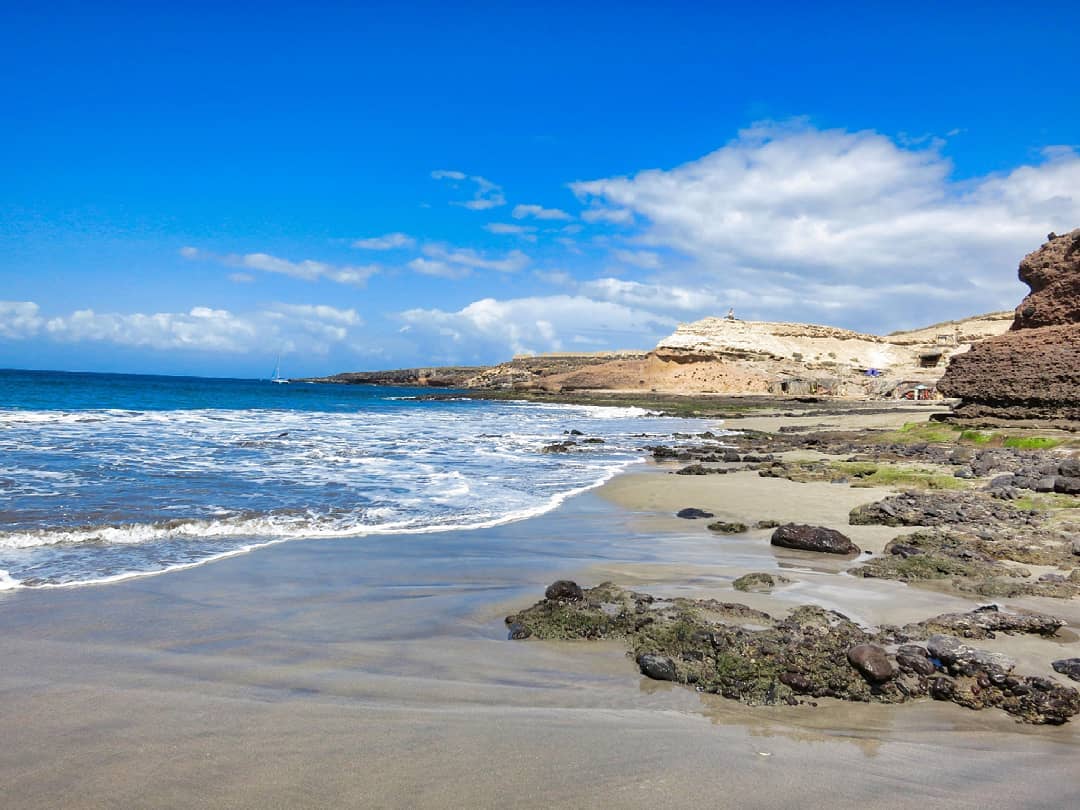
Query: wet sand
{"points": [[375, 672]]}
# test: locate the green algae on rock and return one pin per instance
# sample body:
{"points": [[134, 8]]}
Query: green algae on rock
{"points": [[759, 581], [747, 655], [972, 564]]}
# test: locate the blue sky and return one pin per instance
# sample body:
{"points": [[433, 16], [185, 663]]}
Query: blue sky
{"points": [[191, 190]]}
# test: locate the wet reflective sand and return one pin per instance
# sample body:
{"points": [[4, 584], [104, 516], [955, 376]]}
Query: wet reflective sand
{"points": [[376, 673]]}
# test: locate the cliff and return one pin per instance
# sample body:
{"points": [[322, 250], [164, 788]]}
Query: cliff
{"points": [[727, 356], [1033, 370]]}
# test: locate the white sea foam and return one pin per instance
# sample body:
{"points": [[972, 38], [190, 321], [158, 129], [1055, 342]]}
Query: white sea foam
{"points": [[7, 583], [145, 492]]}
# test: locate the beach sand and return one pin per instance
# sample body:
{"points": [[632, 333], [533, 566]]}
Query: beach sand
{"points": [[375, 672]]}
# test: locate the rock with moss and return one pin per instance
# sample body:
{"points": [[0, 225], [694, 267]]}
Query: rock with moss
{"points": [[746, 655], [724, 527], [940, 509], [759, 581], [1069, 667], [986, 622], [967, 563], [935, 554]]}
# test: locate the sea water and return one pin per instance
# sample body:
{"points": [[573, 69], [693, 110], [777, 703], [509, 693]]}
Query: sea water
{"points": [[105, 476]]}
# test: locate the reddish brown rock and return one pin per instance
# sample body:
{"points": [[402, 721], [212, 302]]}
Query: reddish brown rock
{"points": [[1053, 273], [1033, 370]]}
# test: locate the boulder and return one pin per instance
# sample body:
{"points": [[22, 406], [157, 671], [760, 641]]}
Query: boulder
{"points": [[913, 658], [1070, 467], [657, 667], [1067, 485], [872, 661], [1030, 372], [693, 513], [813, 538]]}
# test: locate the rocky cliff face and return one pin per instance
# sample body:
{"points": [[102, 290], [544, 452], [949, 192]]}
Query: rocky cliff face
{"points": [[1053, 273], [1033, 370]]}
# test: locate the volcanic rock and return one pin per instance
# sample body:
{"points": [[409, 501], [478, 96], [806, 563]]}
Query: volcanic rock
{"points": [[1031, 371], [1068, 666], [727, 527], [813, 538], [693, 513], [872, 662], [564, 589], [657, 667]]}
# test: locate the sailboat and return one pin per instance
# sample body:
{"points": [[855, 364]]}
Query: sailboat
{"points": [[277, 378]]}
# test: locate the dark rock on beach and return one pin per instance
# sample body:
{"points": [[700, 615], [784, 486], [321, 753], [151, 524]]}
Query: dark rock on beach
{"points": [[987, 622], [693, 513], [746, 655], [657, 667], [813, 538], [701, 469], [916, 659], [939, 509], [724, 527], [1070, 667], [872, 661]]}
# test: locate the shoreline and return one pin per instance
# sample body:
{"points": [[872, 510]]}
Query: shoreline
{"points": [[376, 672]]}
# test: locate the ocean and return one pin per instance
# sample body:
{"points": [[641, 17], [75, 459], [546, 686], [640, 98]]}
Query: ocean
{"points": [[109, 476]]}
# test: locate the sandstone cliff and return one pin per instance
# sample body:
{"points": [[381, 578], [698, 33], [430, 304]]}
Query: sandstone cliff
{"points": [[727, 356], [1033, 370]]}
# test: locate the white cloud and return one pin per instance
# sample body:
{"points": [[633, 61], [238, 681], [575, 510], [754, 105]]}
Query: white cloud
{"points": [[539, 212], [639, 258], [490, 328], [804, 223], [241, 278], [388, 241], [512, 262], [485, 194], [321, 312], [656, 297], [526, 232], [19, 319], [311, 328], [439, 269], [559, 277], [201, 329], [616, 216], [308, 269]]}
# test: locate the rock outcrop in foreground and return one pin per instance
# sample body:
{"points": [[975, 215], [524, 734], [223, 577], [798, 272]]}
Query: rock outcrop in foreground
{"points": [[744, 654], [1033, 370]]}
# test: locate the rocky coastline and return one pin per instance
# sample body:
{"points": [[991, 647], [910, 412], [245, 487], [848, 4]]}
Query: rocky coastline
{"points": [[988, 517]]}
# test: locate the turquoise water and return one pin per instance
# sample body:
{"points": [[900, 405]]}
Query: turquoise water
{"points": [[107, 476]]}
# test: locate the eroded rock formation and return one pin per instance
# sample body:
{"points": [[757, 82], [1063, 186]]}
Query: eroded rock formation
{"points": [[1033, 370]]}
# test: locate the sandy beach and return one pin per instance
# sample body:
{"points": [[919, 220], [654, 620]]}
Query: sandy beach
{"points": [[375, 672]]}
